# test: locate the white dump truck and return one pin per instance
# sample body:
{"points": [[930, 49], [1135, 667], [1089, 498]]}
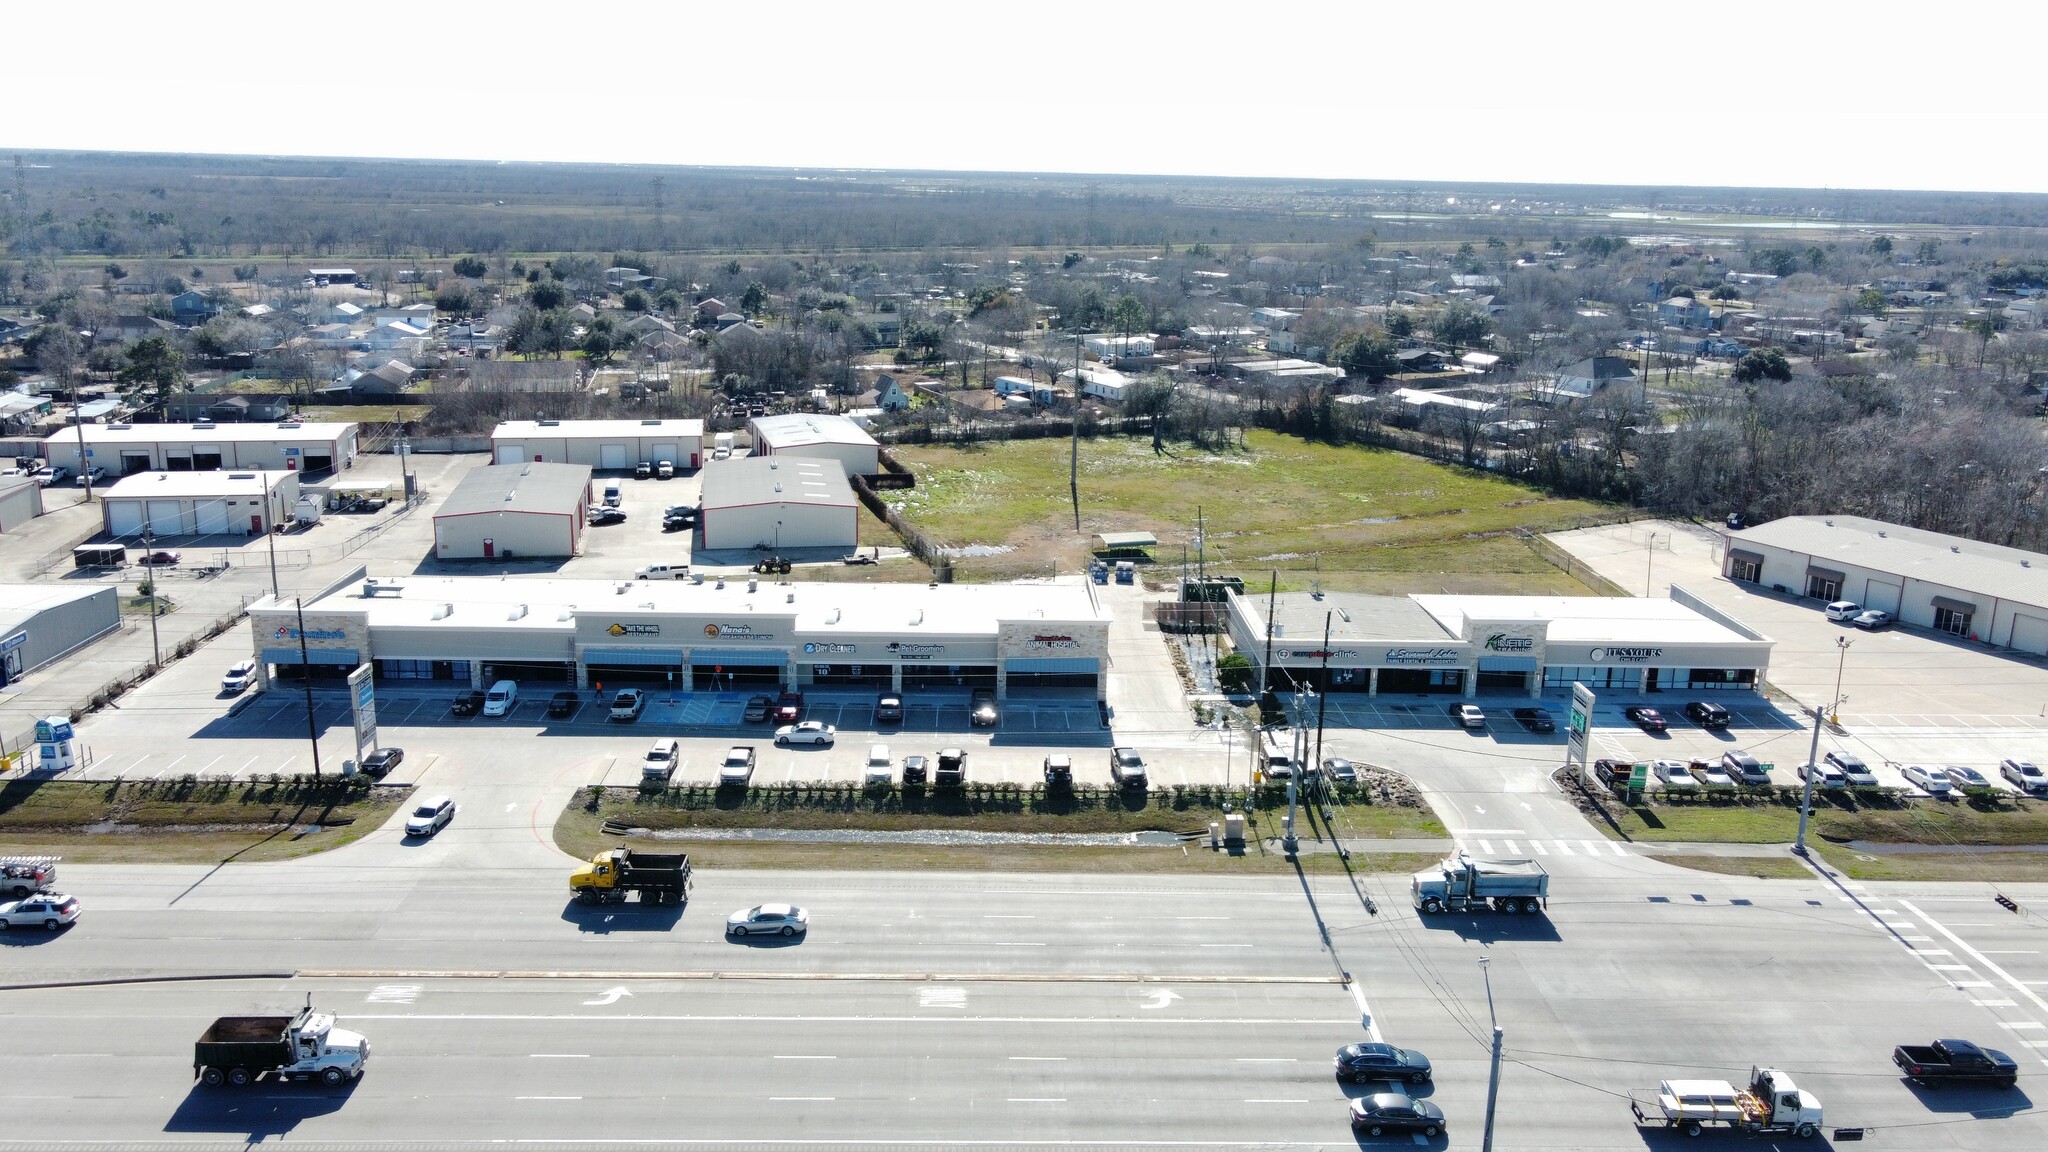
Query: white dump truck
{"points": [[240, 1050], [1770, 1105], [1463, 881]]}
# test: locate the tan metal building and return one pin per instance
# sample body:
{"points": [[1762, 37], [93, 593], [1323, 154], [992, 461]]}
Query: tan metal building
{"points": [[199, 503], [501, 511], [780, 502], [124, 449], [605, 445]]}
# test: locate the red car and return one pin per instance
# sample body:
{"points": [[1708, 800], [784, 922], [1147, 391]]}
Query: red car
{"points": [[1648, 719], [789, 708]]}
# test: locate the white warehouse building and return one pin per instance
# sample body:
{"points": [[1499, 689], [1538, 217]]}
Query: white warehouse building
{"points": [[604, 445], [198, 503], [779, 502], [124, 449], [820, 436]]}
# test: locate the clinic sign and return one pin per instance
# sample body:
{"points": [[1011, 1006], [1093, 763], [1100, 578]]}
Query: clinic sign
{"points": [[287, 632]]}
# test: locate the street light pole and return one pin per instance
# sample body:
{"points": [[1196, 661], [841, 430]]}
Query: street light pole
{"points": [[1813, 751], [1493, 1080]]}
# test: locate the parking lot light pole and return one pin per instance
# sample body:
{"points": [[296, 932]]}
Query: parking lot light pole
{"points": [[1842, 644], [1493, 1080]]}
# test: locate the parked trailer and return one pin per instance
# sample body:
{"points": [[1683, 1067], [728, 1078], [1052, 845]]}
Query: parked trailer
{"points": [[1772, 1105], [1463, 881], [24, 876], [240, 1050], [659, 878], [99, 556]]}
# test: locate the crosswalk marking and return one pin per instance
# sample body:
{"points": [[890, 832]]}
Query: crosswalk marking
{"points": [[1591, 848], [1992, 1003], [1563, 848], [1511, 847], [1486, 846], [393, 994], [1538, 846], [2022, 1025]]}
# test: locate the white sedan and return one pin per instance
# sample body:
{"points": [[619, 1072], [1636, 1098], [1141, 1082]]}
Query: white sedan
{"points": [[809, 732], [1932, 781], [768, 920], [1676, 774]]}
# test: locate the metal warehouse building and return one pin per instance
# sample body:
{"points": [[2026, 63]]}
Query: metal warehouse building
{"points": [[501, 511], [1983, 592], [818, 436], [21, 500], [1462, 645], [42, 622], [124, 449], [199, 503], [723, 635], [605, 445], [779, 502]]}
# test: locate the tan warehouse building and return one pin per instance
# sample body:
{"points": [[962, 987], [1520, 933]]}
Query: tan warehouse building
{"points": [[605, 445], [503, 511], [819, 436]]}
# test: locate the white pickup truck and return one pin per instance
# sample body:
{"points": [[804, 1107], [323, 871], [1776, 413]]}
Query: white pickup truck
{"points": [[24, 876]]}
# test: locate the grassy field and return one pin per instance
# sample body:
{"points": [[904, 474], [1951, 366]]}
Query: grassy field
{"points": [[1761, 867], [579, 831], [1357, 519], [187, 822]]}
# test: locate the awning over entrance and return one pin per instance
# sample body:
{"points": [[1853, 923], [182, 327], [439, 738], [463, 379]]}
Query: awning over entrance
{"points": [[742, 657], [348, 656], [1813, 570], [1069, 664], [1750, 557], [1507, 664], [1962, 606], [640, 657]]}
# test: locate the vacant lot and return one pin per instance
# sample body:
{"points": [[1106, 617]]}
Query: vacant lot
{"points": [[1357, 519], [188, 821]]}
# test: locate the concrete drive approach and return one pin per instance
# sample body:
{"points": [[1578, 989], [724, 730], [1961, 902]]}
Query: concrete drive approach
{"points": [[977, 1010]]}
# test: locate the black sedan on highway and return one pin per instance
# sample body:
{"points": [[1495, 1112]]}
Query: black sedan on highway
{"points": [[1384, 1112], [1360, 1063]]}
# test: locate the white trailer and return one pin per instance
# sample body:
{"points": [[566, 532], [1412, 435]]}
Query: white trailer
{"points": [[1771, 1105]]}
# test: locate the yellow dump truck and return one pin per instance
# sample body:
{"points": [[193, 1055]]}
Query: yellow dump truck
{"points": [[659, 878]]}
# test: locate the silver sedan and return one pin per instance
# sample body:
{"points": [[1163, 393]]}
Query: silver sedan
{"points": [[768, 920]]}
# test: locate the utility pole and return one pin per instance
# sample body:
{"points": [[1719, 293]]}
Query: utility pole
{"points": [[1323, 692], [1074, 444], [1842, 644], [1649, 564], [156, 654], [306, 679], [270, 537], [1493, 1080], [1272, 596]]}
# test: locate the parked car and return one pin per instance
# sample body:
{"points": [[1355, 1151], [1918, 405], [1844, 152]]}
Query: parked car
{"points": [[880, 768], [1126, 767], [981, 707], [789, 707], [757, 709], [1873, 620], [49, 474], [1932, 781], [1361, 1063], [1059, 770], [1744, 768], [1384, 1112], [95, 474], [468, 703], [1707, 714], [628, 705], [500, 699], [564, 704], [738, 768], [1843, 611], [1711, 775], [1338, 770], [1966, 778], [643, 470], [49, 910], [889, 709], [432, 815], [916, 769], [768, 920], [1467, 716], [1676, 775], [859, 558], [239, 676], [2023, 775], [1646, 718], [811, 732], [1535, 719], [379, 763], [161, 558], [1613, 772], [599, 514], [1824, 775], [1853, 767]]}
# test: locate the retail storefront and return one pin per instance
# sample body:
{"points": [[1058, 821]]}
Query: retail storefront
{"points": [[1523, 645]]}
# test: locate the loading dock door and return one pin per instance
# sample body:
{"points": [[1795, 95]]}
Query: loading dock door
{"points": [[206, 457], [1883, 597], [213, 517], [511, 454], [133, 462], [166, 518], [2030, 634], [124, 517], [665, 452], [611, 456]]}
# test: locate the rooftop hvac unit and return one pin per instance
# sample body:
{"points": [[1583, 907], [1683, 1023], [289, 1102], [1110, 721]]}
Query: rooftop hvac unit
{"points": [[549, 423], [518, 612], [442, 611], [655, 423]]}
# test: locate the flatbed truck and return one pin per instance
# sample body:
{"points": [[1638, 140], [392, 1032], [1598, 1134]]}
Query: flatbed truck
{"points": [[1770, 1106]]}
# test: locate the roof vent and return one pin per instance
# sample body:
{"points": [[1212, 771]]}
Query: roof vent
{"points": [[290, 424], [919, 618], [2026, 563], [789, 599], [207, 424], [549, 423], [753, 584], [1880, 535], [830, 618], [621, 589], [441, 611], [518, 612], [1955, 548], [651, 422], [1831, 524], [778, 485]]}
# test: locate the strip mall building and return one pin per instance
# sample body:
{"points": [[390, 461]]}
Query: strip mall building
{"points": [[694, 636]]}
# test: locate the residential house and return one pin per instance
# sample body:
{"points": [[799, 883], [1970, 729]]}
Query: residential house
{"points": [[1687, 313], [710, 309], [322, 277], [524, 376], [2028, 313], [398, 338], [661, 346], [345, 313], [1111, 346], [645, 323], [730, 320], [624, 279], [125, 329], [192, 308], [19, 413], [1477, 283], [887, 327], [1419, 360], [1479, 363], [215, 408], [889, 395], [1589, 376], [13, 331]]}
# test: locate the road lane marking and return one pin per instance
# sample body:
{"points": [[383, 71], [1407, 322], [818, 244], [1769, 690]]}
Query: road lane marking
{"points": [[1931, 952], [558, 1055], [2023, 1025], [1591, 848], [1017, 944], [788, 1098], [1486, 846], [1140, 1021], [1618, 849], [1002, 916], [1271, 1100], [1225, 945], [1563, 848], [1039, 1058], [1995, 970], [1949, 967], [1993, 1003], [803, 1057], [1266, 1060], [547, 1097], [1538, 846], [2012, 952]]}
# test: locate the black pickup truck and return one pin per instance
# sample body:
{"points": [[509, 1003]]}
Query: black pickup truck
{"points": [[1955, 1062]]}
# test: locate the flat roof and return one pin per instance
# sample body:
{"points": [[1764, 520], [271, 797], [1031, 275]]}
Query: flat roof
{"points": [[177, 485], [1127, 539], [800, 428], [1353, 618], [1588, 619], [1970, 565], [553, 604], [750, 480], [530, 487], [194, 433], [19, 603], [596, 429]]}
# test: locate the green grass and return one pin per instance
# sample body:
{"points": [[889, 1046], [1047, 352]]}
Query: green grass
{"points": [[1761, 867], [188, 821], [1982, 867], [1980, 822], [1360, 519]]}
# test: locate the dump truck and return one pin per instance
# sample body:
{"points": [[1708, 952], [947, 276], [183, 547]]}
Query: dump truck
{"points": [[240, 1050], [1771, 1105], [1463, 881], [24, 876], [1955, 1062], [658, 878]]}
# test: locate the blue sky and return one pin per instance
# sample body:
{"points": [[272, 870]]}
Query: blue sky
{"points": [[1841, 95]]}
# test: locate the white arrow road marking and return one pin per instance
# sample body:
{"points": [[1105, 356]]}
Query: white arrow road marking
{"points": [[609, 996], [1160, 998]]}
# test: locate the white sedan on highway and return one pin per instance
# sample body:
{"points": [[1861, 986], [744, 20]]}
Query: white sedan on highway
{"points": [[810, 732], [768, 920]]}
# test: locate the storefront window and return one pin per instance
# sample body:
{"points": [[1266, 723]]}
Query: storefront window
{"points": [[1950, 620], [1594, 676], [1747, 571]]}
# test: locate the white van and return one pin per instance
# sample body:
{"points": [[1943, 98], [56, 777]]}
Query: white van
{"points": [[612, 494], [500, 699], [1276, 755]]}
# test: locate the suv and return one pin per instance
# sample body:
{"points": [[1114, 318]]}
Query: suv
{"points": [[1467, 716], [564, 704], [1842, 611], [889, 709], [1707, 714], [1059, 770], [2023, 775], [757, 710], [658, 767], [430, 817], [1126, 767], [501, 698], [1744, 768], [467, 704], [1338, 770], [981, 706], [239, 677], [738, 769], [1535, 719], [48, 909], [915, 769], [1823, 775], [1853, 769]]}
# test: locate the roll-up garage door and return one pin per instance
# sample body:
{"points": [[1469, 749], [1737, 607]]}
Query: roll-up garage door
{"points": [[167, 518], [665, 452], [1882, 596], [612, 456], [2030, 634], [213, 516], [511, 453], [206, 457], [124, 517]]}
